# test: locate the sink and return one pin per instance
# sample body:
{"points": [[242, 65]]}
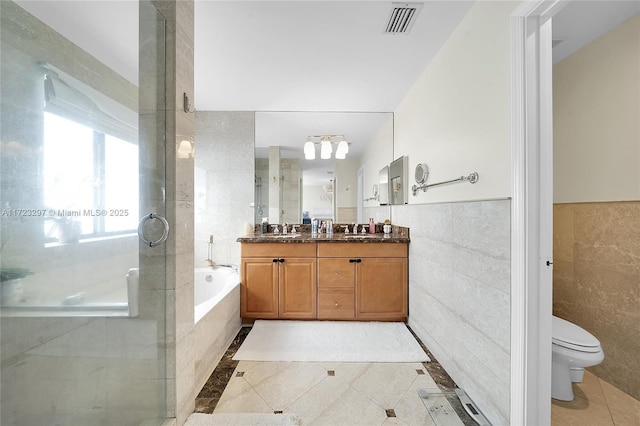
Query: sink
{"points": [[282, 235], [361, 236]]}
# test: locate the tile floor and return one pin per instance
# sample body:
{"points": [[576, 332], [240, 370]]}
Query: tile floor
{"points": [[330, 393], [378, 393], [596, 403]]}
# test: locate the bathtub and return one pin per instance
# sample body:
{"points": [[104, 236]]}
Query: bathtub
{"points": [[211, 286]]}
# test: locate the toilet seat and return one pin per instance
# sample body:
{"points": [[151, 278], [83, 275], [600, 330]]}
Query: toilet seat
{"points": [[571, 336]]}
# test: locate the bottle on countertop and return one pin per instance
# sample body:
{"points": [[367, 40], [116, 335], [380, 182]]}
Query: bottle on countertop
{"points": [[372, 226], [264, 226]]}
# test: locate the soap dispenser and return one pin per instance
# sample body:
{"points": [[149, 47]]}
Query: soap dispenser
{"points": [[372, 226]]}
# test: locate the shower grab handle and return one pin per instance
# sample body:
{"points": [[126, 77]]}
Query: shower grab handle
{"points": [[165, 233]]}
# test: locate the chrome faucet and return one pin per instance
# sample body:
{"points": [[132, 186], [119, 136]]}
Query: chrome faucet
{"points": [[210, 253]]}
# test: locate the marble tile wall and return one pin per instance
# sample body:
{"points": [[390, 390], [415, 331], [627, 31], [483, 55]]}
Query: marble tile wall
{"points": [[225, 181], [459, 294], [596, 281], [179, 255], [214, 333]]}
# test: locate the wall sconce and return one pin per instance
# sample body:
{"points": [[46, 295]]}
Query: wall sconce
{"points": [[185, 148], [326, 143]]}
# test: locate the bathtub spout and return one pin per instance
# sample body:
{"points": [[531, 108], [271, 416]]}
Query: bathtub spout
{"points": [[212, 263]]}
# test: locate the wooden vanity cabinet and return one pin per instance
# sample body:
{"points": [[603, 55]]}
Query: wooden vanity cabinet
{"points": [[366, 281], [278, 280]]}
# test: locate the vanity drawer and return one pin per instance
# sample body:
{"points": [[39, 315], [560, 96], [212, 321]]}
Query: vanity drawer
{"points": [[336, 272], [336, 304], [358, 250], [279, 249]]}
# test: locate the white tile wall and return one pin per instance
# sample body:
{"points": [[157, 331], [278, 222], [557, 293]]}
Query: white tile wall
{"points": [[224, 158], [459, 295]]}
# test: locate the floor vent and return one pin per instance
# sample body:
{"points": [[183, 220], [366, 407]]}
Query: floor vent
{"points": [[402, 17]]}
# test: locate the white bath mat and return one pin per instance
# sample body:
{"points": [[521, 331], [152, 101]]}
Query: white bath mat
{"points": [[321, 341], [242, 419]]}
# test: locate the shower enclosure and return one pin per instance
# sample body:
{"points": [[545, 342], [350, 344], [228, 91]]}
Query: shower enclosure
{"points": [[82, 174]]}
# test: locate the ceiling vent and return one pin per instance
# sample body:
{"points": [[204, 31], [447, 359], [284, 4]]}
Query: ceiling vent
{"points": [[402, 17]]}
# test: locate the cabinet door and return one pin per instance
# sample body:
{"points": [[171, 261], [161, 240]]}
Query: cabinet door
{"points": [[259, 288], [381, 288], [297, 285]]}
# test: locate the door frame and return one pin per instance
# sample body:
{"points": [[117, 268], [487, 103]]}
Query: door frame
{"points": [[531, 211]]}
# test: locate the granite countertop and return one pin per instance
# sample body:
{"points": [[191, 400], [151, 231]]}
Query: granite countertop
{"points": [[323, 238], [398, 234]]}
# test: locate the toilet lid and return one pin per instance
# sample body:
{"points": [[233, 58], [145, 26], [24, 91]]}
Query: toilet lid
{"points": [[569, 335]]}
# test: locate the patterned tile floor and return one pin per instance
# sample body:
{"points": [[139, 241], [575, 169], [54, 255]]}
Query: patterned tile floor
{"points": [[361, 393], [328, 393], [596, 403]]}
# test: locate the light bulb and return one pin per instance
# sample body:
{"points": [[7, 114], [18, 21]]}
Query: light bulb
{"points": [[309, 150], [325, 149], [342, 150]]}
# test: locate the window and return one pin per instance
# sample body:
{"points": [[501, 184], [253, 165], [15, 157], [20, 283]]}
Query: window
{"points": [[90, 180]]}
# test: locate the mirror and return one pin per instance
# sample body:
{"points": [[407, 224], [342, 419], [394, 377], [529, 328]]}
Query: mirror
{"points": [[290, 188], [398, 181]]}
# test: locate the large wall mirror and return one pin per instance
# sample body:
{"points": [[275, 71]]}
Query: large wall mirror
{"points": [[291, 188]]}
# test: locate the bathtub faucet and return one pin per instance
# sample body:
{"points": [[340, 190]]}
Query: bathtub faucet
{"points": [[210, 253]]}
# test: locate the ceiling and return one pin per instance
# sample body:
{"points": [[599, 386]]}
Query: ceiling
{"points": [[287, 56], [312, 55], [581, 22]]}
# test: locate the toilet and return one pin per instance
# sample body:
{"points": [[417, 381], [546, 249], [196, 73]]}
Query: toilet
{"points": [[572, 349]]}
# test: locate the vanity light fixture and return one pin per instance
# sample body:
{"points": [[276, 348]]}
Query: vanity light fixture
{"points": [[326, 143]]}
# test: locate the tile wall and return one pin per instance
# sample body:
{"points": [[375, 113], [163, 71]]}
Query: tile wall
{"points": [[224, 169], [459, 294], [596, 281]]}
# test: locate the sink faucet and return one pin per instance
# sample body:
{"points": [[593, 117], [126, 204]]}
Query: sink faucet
{"points": [[284, 228], [293, 229]]}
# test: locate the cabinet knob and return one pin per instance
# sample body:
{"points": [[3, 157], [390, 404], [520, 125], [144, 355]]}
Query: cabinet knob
{"points": [[337, 304]]}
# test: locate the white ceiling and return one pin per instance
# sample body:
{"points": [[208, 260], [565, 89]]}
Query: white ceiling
{"points": [[286, 56], [581, 22], [312, 55]]}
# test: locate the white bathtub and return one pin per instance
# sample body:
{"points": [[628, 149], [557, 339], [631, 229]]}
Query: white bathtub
{"points": [[210, 287]]}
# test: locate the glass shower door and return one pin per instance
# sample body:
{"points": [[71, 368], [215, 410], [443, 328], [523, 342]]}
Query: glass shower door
{"points": [[82, 169]]}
